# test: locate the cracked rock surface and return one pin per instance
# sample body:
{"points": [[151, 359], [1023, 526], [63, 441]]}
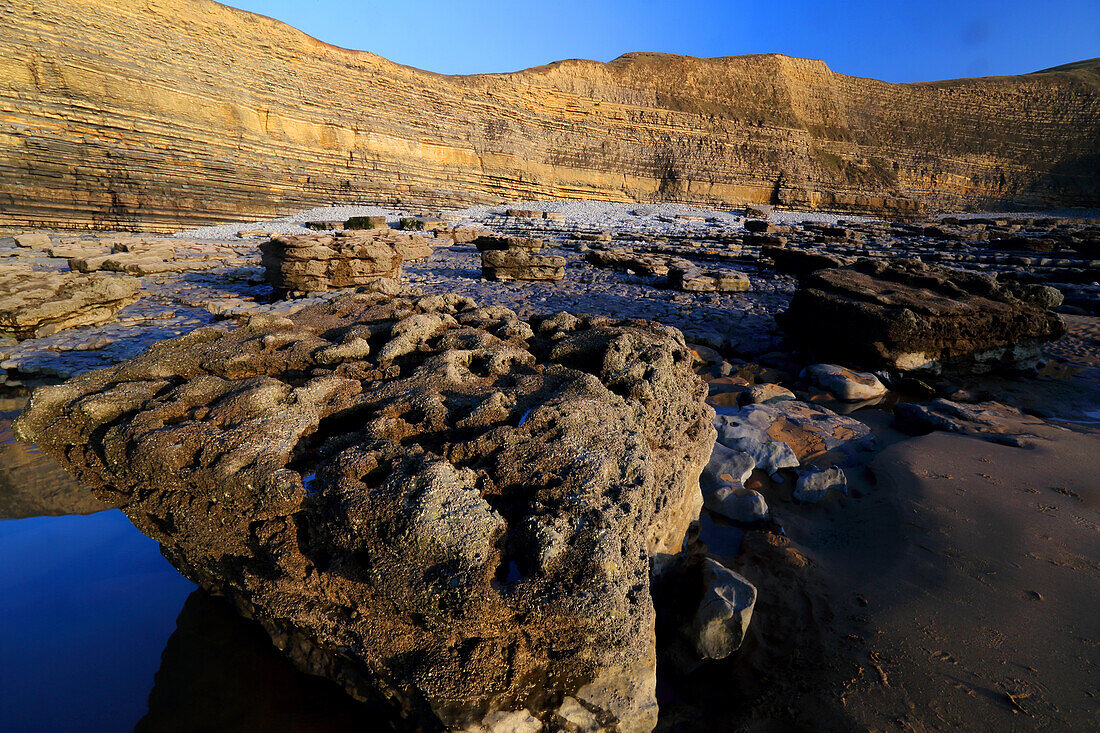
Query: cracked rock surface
{"points": [[433, 503]]}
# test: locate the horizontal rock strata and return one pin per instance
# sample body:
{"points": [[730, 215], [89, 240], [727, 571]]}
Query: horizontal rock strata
{"points": [[174, 112], [638, 264], [35, 303], [489, 242], [430, 502], [910, 316]]}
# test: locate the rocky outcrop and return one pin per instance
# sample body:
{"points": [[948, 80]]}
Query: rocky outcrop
{"points": [[988, 420], [432, 503], [176, 112], [844, 384], [36, 303], [346, 259], [519, 264], [801, 262], [906, 315], [783, 434]]}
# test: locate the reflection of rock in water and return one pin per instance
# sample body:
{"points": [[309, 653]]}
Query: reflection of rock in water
{"points": [[33, 484], [220, 672]]}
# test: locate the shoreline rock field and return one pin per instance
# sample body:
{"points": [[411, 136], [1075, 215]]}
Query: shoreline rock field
{"points": [[518, 504]]}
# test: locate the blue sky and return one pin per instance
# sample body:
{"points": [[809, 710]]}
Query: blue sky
{"points": [[911, 41]]}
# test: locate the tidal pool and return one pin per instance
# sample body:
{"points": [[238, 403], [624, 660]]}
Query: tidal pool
{"points": [[98, 632]]}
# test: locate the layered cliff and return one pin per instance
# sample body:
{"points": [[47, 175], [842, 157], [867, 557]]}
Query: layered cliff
{"points": [[164, 113]]}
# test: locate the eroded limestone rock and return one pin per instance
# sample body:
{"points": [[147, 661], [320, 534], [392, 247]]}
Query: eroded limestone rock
{"points": [[35, 303], [989, 420], [814, 484], [637, 263], [783, 434], [140, 255], [432, 503], [846, 384], [485, 242]]}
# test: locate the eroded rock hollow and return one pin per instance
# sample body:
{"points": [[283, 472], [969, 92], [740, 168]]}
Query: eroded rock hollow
{"points": [[433, 503]]}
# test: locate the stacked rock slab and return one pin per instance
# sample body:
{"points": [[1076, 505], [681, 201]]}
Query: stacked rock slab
{"points": [[432, 503], [520, 264], [344, 259], [906, 315], [35, 303], [695, 280]]}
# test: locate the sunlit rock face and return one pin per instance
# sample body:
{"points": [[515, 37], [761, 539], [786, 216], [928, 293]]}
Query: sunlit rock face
{"points": [[433, 503], [184, 111]]}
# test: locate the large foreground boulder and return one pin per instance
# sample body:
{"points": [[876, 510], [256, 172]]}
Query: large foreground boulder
{"points": [[343, 259], [434, 504], [906, 315], [34, 303]]}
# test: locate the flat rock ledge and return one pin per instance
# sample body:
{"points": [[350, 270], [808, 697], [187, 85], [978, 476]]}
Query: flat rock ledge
{"points": [[342, 259], [906, 315], [435, 504], [36, 303]]}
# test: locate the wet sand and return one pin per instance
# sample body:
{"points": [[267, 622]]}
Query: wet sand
{"points": [[956, 588]]}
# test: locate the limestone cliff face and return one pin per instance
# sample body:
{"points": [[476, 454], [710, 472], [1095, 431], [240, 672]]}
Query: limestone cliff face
{"points": [[164, 113]]}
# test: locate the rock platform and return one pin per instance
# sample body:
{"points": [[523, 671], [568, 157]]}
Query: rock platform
{"points": [[906, 315], [35, 303]]}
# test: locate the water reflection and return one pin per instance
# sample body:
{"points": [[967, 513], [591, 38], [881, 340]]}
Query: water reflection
{"points": [[34, 485], [86, 604], [31, 483], [220, 672]]}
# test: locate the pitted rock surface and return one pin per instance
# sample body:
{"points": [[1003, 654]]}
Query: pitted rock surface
{"points": [[35, 303], [910, 316], [428, 501]]}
